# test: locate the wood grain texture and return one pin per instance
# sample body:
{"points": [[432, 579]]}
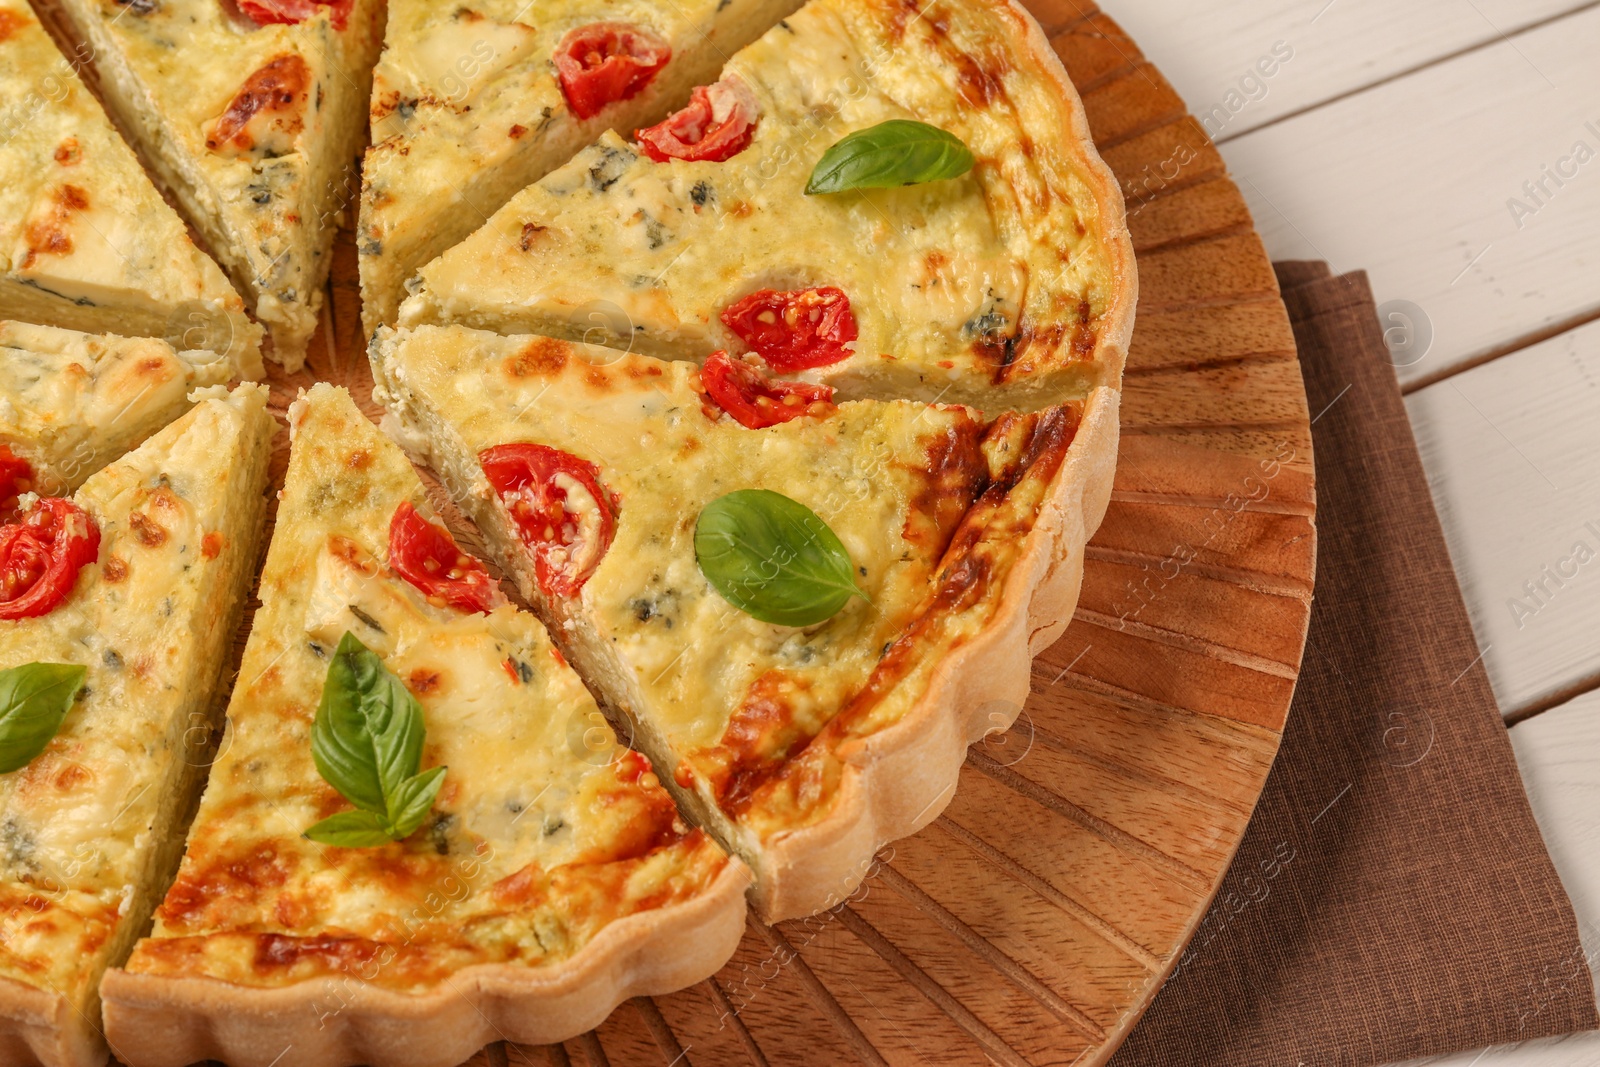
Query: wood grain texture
{"points": [[1035, 919]]}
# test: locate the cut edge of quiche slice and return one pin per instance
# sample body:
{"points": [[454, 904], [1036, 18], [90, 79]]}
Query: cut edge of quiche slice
{"points": [[94, 821], [72, 402], [468, 107], [969, 539], [1011, 287], [86, 241], [547, 879], [252, 121]]}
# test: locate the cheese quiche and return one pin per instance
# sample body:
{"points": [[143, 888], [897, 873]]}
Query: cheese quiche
{"points": [[805, 744], [470, 103], [86, 242], [542, 877], [1009, 285], [133, 589], [72, 402], [250, 114]]}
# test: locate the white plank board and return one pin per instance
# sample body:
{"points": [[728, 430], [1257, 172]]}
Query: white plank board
{"points": [[1559, 755], [1512, 454], [1414, 180], [1211, 51], [1573, 1050]]}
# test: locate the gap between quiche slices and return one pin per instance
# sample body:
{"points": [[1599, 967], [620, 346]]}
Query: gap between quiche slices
{"points": [[198, 488], [466, 113], [997, 289], [89, 243], [551, 882], [882, 753], [895, 781], [268, 211]]}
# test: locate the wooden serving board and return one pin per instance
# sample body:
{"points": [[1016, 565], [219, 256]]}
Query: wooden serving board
{"points": [[1035, 919]]}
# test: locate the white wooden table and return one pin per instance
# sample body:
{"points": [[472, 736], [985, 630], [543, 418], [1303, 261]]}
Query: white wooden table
{"points": [[1452, 149]]}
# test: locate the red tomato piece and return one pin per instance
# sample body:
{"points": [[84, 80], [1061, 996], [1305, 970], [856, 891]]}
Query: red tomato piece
{"points": [[562, 512], [795, 330], [41, 554], [16, 478], [754, 399], [605, 62], [716, 126], [425, 555], [265, 12], [631, 766]]}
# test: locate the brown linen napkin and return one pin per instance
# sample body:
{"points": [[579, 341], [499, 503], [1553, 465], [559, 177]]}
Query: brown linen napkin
{"points": [[1392, 897]]}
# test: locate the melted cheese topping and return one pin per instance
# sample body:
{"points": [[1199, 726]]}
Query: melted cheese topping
{"points": [[172, 69], [731, 701], [466, 110], [82, 827], [985, 289], [545, 829], [86, 242], [71, 402]]}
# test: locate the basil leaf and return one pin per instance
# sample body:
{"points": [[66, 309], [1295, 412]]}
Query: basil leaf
{"points": [[367, 737], [351, 829], [773, 558], [897, 152], [413, 800], [34, 699], [367, 743]]}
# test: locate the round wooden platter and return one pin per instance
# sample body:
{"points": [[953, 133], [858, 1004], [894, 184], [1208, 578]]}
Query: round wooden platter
{"points": [[1035, 919]]}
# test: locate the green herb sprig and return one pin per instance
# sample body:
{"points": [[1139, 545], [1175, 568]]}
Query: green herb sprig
{"points": [[894, 153], [367, 743], [774, 558], [34, 699]]}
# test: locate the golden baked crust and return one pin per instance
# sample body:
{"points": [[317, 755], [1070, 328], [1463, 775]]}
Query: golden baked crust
{"points": [[466, 111], [253, 129], [90, 824], [768, 731], [86, 242], [551, 880], [1003, 289]]}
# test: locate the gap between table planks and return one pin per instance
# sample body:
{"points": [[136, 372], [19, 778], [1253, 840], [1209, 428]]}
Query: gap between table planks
{"points": [[1414, 180], [1035, 919], [1213, 51]]}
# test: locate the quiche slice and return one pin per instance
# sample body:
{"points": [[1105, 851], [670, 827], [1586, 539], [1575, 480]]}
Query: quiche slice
{"points": [[137, 581], [1008, 286], [549, 879], [472, 103], [86, 242], [72, 402], [249, 113], [804, 744]]}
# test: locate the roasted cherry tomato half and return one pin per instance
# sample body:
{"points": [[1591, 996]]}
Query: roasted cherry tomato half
{"points": [[562, 512], [16, 478], [795, 330], [754, 399], [265, 12], [41, 554], [604, 62], [425, 555], [716, 126]]}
